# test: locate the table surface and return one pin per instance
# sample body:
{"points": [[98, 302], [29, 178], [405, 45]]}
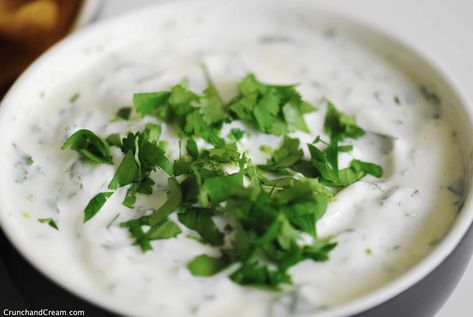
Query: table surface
{"points": [[442, 27]]}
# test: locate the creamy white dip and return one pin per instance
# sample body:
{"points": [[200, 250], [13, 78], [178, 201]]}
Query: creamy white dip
{"points": [[383, 226]]}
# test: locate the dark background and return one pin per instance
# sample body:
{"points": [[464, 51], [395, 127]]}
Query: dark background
{"points": [[22, 286]]}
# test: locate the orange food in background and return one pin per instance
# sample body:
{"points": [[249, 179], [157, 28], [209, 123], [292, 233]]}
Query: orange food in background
{"points": [[27, 28]]}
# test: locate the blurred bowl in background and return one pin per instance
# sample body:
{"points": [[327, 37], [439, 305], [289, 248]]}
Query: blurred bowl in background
{"points": [[29, 27]]}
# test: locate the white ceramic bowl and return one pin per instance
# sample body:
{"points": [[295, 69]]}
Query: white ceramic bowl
{"points": [[67, 59]]}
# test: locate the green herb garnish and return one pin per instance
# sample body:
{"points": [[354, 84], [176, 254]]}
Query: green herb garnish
{"points": [[141, 158], [114, 140], [74, 97], [269, 212], [270, 108], [28, 160], [204, 265], [156, 219], [90, 146], [397, 100], [124, 113], [340, 126], [236, 134], [95, 204], [50, 222]]}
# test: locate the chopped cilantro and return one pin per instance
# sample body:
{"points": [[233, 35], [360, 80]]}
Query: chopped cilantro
{"points": [[74, 97], [128, 171], [28, 160], [221, 188], [213, 108], [339, 125], [192, 149], [50, 222], [141, 158], [212, 105], [236, 134], [165, 230], [160, 227], [114, 140], [397, 100], [326, 163], [260, 219], [288, 154], [200, 220], [152, 132], [90, 146], [146, 103], [95, 204], [270, 108], [197, 125], [266, 149], [204, 265], [124, 113]]}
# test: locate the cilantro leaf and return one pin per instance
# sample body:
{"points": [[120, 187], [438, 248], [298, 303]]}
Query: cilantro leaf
{"points": [[152, 156], [49, 221], [128, 172], [191, 147], [114, 140], [143, 187], [200, 220], [141, 158], [226, 154], [204, 265], [357, 170], [242, 105], [181, 99], [288, 154], [236, 134], [220, 188], [124, 113], [140, 238], [305, 214], [213, 108], [294, 118], [340, 126], [90, 146], [366, 167], [146, 103], [152, 132], [95, 204], [28, 160], [160, 227], [326, 162], [165, 230], [270, 108], [319, 250], [74, 97], [254, 274], [173, 201], [196, 125], [130, 197]]}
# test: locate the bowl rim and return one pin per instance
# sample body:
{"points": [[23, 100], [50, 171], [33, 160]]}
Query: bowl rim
{"points": [[88, 12], [358, 305]]}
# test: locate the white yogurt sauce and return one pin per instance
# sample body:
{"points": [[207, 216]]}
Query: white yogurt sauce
{"points": [[383, 226]]}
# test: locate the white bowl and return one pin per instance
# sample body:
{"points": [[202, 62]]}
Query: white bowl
{"points": [[67, 59]]}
